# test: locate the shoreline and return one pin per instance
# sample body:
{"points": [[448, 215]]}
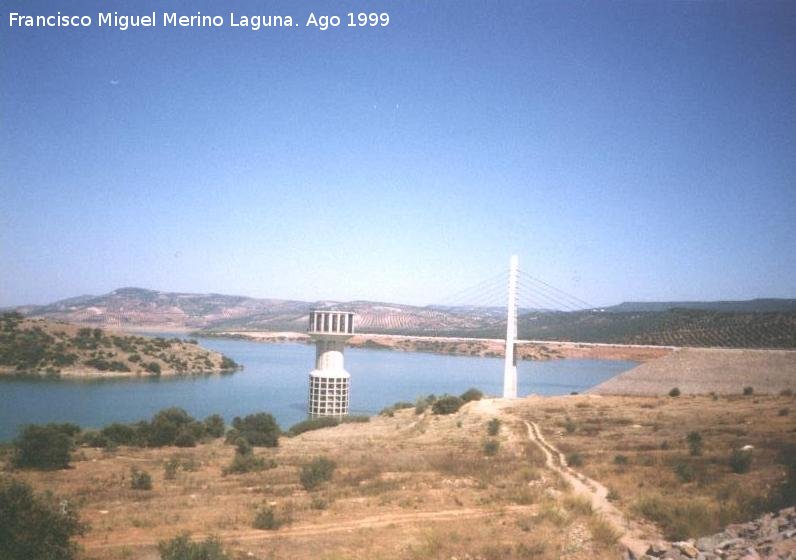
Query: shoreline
{"points": [[539, 350]]}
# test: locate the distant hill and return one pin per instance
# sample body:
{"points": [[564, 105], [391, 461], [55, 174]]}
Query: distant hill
{"points": [[137, 307], [140, 308], [770, 305], [762, 323]]}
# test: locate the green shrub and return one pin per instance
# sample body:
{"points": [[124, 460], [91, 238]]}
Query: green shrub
{"points": [[93, 438], [446, 404], [674, 392], [169, 423], [214, 426], [313, 424], [620, 460], [684, 472], [181, 548], [740, 461], [170, 468], [783, 412], [35, 527], [153, 367], [570, 426], [748, 390], [266, 519], [245, 461], [491, 447], [422, 403], [316, 473], [120, 434], [472, 394], [228, 363], [390, 410], [319, 503], [260, 430], [44, 447], [355, 419], [493, 427], [574, 460], [694, 440], [185, 438], [140, 480]]}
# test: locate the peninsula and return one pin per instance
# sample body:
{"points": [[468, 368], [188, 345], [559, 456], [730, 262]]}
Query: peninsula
{"points": [[55, 349]]}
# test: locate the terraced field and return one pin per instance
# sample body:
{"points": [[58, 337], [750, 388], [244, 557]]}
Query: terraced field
{"points": [[676, 327]]}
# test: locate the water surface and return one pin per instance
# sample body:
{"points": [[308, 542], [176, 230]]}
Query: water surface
{"points": [[275, 380]]}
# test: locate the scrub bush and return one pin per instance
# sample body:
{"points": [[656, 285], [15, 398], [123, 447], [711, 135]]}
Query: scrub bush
{"points": [[44, 447], [472, 394], [316, 473], [35, 526], [493, 427], [182, 548], [140, 480], [447, 404]]}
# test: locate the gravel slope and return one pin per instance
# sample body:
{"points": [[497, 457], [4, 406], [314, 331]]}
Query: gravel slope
{"points": [[705, 370]]}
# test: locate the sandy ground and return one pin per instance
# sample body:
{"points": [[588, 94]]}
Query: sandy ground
{"points": [[701, 371]]}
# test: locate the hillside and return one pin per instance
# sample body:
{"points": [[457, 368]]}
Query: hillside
{"points": [[497, 479], [769, 305], [764, 323], [41, 347], [677, 327]]}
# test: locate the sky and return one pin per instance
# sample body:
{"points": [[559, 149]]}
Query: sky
{"points": [[623, 150]]}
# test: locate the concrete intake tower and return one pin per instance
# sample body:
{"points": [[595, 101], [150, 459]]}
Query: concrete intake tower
{"points": [[330, 383]]}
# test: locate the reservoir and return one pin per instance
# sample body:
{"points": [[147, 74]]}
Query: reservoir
{"points": [[275, 380]]}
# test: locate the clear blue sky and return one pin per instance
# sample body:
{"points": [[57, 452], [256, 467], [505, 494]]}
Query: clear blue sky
{"points": [[626, 151]]}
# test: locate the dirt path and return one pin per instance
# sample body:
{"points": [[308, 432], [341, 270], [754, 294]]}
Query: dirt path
{"points": [[632, 536], [339, 526]]}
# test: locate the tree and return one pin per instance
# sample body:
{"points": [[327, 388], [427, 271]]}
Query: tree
{"points": [[34, 527], [44, 447], [260, 430], [170, 423], [214, 425]]}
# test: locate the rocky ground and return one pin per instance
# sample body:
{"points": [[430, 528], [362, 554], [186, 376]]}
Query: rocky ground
{"points": [[770, 537]]}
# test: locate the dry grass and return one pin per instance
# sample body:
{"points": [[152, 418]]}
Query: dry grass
{"points": [[412, 486], [638, 448], [405, 487]]}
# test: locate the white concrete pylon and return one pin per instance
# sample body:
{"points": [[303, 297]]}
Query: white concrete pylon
{"points": [[510, 367]]}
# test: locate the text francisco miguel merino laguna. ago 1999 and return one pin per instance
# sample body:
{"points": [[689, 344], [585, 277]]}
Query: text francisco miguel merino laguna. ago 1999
{"points": [[124, 22]]}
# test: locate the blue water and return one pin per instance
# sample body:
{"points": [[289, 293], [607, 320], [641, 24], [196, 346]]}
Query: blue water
{"points": [[275, 380]]}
